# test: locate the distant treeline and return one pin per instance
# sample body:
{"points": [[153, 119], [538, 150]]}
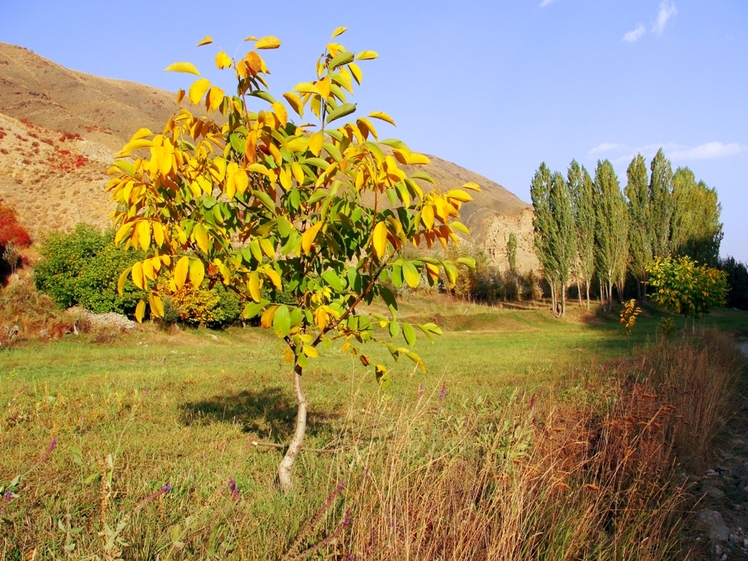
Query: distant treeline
{"points": [[588, 228]]}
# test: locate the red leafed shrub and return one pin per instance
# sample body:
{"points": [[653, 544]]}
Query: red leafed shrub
{"points": [[10, 229]]}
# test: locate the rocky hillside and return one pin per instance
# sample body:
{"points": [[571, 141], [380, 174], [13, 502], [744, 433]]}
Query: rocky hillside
{"points": [[59, 130]]}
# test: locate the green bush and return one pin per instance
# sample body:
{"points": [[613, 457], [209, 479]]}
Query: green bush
{"points": [[212, 307], [83, 267]]}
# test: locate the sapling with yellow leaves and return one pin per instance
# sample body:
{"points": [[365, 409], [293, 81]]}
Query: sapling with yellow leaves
{"points": [[318, 212]]}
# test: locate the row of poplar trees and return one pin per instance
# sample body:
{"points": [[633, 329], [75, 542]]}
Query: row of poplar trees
{"points": [[588, 228]]}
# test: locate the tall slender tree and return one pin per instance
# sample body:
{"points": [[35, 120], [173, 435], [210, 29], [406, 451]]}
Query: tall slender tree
{"points": [[660, 204], [611, 233], [695, 227], [581, 191], [545, 228], [564, 244], [640, 218]]}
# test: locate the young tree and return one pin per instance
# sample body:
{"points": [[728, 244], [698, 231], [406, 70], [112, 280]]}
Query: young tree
{"points": [[581, 191], [640, 218], [660, 204], [611, 233], [685, 288], [511, 252], [253, 200], [695, 227]]}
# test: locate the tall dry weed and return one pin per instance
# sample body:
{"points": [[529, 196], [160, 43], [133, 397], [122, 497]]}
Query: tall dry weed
{"points": [[589, 477]]}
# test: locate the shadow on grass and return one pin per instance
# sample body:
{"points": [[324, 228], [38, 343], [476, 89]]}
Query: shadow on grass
{"points": [[269, 412]]}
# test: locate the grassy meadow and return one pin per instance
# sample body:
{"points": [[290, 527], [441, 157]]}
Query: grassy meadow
{"points": [[528, 438]]}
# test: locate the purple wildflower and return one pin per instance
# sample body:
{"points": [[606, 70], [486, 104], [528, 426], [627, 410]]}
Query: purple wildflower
{"points": [[48, 453], [420, 390], [234, 490], [532, 401], [153, 496], [8, 496], [346, 518], [443, 392]]}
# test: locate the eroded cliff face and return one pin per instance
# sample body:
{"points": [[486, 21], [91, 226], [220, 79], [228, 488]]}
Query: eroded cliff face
{"points": [[60, 129], [491, 231]]}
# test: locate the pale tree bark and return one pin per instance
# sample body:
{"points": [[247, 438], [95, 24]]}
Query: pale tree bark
{"points": [[294, 447]]}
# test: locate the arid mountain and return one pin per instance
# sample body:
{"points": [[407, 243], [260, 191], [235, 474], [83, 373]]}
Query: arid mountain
{"points": [[59, 130]]}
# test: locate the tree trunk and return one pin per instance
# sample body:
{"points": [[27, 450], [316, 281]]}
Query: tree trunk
{"points": [[284, 470], [563, 300], [579, 292], [587, 285]]}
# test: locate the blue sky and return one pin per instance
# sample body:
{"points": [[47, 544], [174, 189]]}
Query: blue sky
{"points": [[496, 87]]}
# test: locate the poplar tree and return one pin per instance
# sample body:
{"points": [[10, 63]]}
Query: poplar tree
{"points": [[611, 232], [545, 228], [564, 244], [695, 227], [660, 204], [640, 218], [581, 191]]}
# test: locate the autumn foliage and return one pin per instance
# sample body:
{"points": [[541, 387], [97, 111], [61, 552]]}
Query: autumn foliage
{"points": [[11, 231]]}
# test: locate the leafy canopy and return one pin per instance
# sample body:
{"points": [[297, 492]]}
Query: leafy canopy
{"points": [[685, 288], [250, 199]]}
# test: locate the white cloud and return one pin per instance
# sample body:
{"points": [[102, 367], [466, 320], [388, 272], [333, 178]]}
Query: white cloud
{"points": [[621, 154], [707, 151], [606, 147], [635, 34], [667, 10], [544, 3]]}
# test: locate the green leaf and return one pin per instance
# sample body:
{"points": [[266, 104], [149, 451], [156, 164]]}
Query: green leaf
{"points": [[254, 309], [333, 280], [342, 58], [409, 334], [282, 321], [342, 111], [394, 329], [469, 262], [263, 95], [388, 297], [397, 276]]}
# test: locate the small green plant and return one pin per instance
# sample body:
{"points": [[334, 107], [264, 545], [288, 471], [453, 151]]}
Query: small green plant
{"points": [[666, 327], [629, 313]]}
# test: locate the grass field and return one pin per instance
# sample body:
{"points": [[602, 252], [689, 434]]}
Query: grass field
{"points": [[150, 409]]}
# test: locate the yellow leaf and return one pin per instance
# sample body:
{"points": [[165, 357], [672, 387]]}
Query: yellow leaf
{"points": [[310, 351], [274, 278], [137, 275], [298, 172], [356, 71], [200, 235], [382, 116], [241, 180], [418, 159], [122, 279], [141, 133], [158, 234], [207, 40], [472, 186], [323, 87], [366, 55], [379, 239], [253, 284], [180, 272], [144, 234], [187, 67], [122, 232], [223, 60], [285, 179], [157, 305], [259, 168], [267, 247], [148, 272], [140, 311], [134, 145], [307, 238], [267, 317], [459, 195], [315, 143], [268, 42], [280, 111], [198, 89], [295, 103], [427, 215], [321, 318], [288, 356], [197, 272], [215, 97], [180, 96], [338, 31]]}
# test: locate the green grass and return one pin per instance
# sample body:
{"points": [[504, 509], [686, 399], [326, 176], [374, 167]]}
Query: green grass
{"points": [[152, 407]]}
